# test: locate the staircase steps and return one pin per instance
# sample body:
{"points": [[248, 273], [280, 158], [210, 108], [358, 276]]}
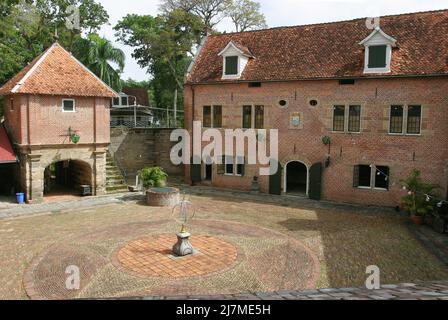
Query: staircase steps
{"points": [[115, 182]]}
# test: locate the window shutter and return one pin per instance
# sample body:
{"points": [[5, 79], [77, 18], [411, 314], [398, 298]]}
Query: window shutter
{"points": [[231, 65], [221, 166], [377, 56], [356, 177]]}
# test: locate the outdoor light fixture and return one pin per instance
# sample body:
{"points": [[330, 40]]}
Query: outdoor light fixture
{"points": [[74, 137]]}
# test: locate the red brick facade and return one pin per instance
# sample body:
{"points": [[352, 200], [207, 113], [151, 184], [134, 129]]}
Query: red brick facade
{"points": [[427, 152], [43, 131]]}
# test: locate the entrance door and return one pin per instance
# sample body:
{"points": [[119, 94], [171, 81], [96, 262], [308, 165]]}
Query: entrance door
{"points": [[208, 172], [296, 178], [275, 181]]}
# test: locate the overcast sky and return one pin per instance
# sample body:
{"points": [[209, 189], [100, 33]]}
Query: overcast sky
{"points": [[277, 12]]}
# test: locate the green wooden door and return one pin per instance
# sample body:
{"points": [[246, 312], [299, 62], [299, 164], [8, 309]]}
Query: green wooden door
{"points": [[275, 181], [195, 172], [315, 190]]}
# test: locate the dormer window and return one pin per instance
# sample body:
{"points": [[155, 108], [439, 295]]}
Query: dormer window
{"points": [[231, 66], [377, 57], [378, 52], [235, 58]]}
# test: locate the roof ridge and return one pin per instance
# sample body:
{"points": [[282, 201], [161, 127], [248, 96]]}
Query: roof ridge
{"points": [[328, 23]]}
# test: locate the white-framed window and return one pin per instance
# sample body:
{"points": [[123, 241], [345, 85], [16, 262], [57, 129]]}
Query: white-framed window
{"points": [[378, 58], [232, 166], [405, 120], [378, 52], [240, 166], [231, 65], [235, 60], [347, 118], [371, 177], [116, 101], [212, 116], [229, 166], [68, 105], [124, 100], [11, 104], [253, 117]]}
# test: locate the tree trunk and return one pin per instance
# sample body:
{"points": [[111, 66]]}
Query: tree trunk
{"points": [[175, 108]]}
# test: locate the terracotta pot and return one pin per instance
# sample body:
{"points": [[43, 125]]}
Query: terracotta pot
{"points": [[418, 220]]}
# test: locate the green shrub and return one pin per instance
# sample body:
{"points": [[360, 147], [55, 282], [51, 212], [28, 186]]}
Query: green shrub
{"points": [[421, 197], [153, 177]]}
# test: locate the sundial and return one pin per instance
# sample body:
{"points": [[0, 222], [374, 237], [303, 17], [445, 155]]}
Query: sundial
{"points": [[183, 213]]}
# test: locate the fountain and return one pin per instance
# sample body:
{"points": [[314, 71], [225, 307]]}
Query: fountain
{"points": [[183, 212]]}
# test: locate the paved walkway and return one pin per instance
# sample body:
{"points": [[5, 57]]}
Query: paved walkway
{"points": [[16, 210], [8, 209], [437, 290]]}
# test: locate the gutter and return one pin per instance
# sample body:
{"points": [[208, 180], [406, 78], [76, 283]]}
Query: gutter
{"points": [[321, 79]]}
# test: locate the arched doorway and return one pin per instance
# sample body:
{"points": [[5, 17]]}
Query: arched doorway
{"points": [[296, 178], [67, 178]]}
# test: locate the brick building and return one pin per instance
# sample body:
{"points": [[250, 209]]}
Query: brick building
{"points": [[357, 108], [57, 117]]}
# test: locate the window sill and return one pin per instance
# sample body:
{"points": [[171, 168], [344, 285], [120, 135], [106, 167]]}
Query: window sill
{"points": [[404, 134], [377, 70]]}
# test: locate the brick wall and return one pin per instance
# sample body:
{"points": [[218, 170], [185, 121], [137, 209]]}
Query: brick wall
{"points": [[135, 149], [427, 152], [49, 125]]}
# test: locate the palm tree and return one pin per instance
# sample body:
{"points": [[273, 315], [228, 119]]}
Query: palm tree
{"points": [[97, 54]]}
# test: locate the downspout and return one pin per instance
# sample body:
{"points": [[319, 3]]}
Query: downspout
{"points": [[28, 138], [94, 148], [193, 100]]}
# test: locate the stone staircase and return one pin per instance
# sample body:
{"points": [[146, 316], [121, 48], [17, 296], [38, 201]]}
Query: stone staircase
{"points": [[115, 183]]}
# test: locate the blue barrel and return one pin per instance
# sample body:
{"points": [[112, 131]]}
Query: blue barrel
{"points": [[20, 198]]}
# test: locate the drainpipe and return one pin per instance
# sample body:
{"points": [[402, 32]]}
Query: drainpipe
{"points": [[95, 182], [193, 101]]}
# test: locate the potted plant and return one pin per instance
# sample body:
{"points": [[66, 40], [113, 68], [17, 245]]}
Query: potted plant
{"points": [[153, 177], [421, 199]]}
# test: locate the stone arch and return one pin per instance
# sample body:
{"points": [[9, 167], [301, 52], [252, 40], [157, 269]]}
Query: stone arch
{"points": [[67, 174], [290, 159]]}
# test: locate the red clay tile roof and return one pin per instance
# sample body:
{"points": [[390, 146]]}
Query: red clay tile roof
{"points": [[331, 50], [7, 154], [57, 72]]}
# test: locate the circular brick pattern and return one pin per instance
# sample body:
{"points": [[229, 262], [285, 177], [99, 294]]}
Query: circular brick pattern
{"points": [[134, 259], [152, 257]]}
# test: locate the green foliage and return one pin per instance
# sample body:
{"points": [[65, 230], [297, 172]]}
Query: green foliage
{"points": [[246, 15], [162, 44], [97, 54], [28, 27], [135, 84], [420, 199], [153, 177]]}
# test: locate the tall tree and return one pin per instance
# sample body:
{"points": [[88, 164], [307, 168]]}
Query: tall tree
{"points": [[246, 15], [210, 11], [98, 54], [165, 40]]}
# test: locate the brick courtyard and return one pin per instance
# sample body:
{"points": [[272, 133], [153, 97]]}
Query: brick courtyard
{"points": [[283, 245]]}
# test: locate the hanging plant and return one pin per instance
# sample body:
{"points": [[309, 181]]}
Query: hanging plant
{"points": [[75, 138]]}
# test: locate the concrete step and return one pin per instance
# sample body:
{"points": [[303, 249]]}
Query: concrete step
{"points": [[117, 188]]}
